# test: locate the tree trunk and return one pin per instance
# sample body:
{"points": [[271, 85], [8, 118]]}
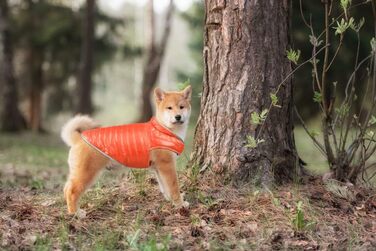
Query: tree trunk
{"points": [[36, 89], [245, 45], [84, 88], [154, 58], [11, 118]]}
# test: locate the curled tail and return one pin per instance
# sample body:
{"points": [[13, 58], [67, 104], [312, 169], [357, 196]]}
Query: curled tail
{"points": [[70, 133]]}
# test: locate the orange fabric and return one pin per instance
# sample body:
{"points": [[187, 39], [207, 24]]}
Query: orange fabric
{"points": [[130, 144]]}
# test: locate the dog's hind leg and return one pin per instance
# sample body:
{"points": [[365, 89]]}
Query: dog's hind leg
{"points": [[85, 164]]}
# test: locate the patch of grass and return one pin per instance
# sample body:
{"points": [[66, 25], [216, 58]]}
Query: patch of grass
{"points": [[110, 240], [139, 177], [32, 150], [35, 161], [43, 244], [299, 221]]}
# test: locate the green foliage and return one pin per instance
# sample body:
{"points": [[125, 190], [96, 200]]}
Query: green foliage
{"points": [[151, 244], [42, 244], [317, 97], [252, 142], [108, 241], [37, 184], [207, 200], [372, 121], [140, 179], [343, 65], [299, 222], [293, 56], [343, 25], [357, 28], [258, 118], [52, 31], [345, 4], [343, 110], [274, 99], [183, 85]]}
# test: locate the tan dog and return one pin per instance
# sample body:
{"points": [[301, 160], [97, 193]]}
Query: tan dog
{"points": [[85, 163]]}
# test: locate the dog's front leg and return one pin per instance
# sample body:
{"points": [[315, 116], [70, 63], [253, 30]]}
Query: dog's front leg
{"points": [[160, 183], [165, 167]]}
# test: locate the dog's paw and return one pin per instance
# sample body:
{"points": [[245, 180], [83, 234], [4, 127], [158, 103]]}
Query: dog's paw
{"points": [[182, 204], [80, 214]]}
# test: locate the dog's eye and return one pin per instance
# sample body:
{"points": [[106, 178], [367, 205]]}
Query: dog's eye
{"points": [[181, 107], [170, 108]]}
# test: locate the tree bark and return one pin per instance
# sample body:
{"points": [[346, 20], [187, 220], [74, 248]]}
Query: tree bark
{"points": [[245, 45], [154, 58], [11, 118], [84, 88]]}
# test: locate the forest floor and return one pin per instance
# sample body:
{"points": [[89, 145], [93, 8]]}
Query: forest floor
{"points": [[124, 210]]}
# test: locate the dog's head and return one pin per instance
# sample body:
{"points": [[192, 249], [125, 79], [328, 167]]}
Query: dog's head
{"points": [[173, 108]]}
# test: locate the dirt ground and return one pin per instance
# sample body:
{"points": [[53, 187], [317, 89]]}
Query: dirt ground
{"points": [[134, 216]]}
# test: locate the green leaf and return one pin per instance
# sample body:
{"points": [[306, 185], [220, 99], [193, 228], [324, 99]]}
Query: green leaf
{"points": [[263, 114], [345, 4], [251, 142], [255, 118], [370, 134], [343, 110], [372, 121], [299, 205], [298, 221], [317, 97], [182, 85], [355, 27], [293, 56], [274, 99], [343, 26]]}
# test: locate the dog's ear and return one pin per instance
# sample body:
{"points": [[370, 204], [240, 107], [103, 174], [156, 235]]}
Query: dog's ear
{"points": [[159, 94], [187, 93]]}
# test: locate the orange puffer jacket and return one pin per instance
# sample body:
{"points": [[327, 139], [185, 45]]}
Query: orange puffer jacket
{"points": [[130, 145]]}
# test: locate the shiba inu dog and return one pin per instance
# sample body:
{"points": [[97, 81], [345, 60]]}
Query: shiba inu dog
{"points": [[92, 148]]}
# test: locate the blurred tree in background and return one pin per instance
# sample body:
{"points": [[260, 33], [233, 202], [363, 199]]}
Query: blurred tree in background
{"points": [[48, 40], [84, 83], [195, 19], [11, 118], [154, 57], [52, 76]]}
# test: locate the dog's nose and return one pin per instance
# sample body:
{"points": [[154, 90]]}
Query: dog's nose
{"points": [[178, 117]]}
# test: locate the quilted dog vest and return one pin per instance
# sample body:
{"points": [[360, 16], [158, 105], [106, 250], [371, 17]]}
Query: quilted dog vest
{"points": [[130, 144]]}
